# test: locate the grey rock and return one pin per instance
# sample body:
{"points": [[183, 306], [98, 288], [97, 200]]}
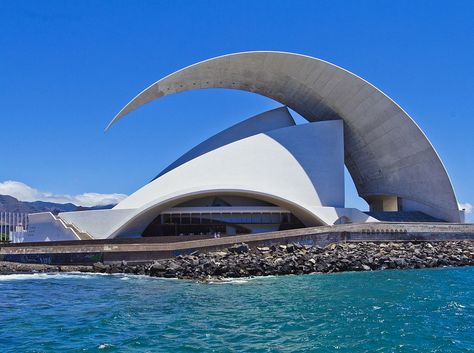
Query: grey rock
{"points": [[239, 248]]}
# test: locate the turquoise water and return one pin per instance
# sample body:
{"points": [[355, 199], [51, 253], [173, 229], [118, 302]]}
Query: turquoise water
{"points": [[388, 311]]}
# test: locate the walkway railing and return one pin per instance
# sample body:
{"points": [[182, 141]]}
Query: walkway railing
{"points": [[13, 225]]}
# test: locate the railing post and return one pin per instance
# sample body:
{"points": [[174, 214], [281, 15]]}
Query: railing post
{"points": [[9, 224]]}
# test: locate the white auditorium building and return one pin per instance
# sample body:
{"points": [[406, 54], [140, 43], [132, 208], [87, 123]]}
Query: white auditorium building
{"points": [[267, 173]]}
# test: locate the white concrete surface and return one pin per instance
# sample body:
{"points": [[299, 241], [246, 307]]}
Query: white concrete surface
{"points": [[96, 223], [331, 215], [280, 162], [276, 166], [266, 121], [45, 226], [386, 153]]}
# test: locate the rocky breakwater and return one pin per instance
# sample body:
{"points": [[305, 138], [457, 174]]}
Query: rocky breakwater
{"points": [[241, 261]]}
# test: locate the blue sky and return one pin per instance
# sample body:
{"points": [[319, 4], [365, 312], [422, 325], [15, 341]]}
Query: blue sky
{"points": [[67, 67]]}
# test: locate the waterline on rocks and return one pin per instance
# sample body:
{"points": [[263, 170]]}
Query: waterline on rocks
{"points": [[241, 261]]}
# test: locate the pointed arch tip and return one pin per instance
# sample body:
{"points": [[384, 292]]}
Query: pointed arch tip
{"points": [[112, 122]]}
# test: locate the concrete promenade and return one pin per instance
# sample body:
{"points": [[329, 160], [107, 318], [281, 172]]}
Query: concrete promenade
{"points": [[148, 249]]}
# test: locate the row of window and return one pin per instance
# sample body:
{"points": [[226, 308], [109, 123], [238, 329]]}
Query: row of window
{"points": [[216, 218]]}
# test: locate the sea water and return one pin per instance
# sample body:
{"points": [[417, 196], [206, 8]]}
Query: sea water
{"points": [[387, 311]]}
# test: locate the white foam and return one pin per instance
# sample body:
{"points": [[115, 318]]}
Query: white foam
{"points": [[104, 346], [231, 281], [41, 276], [238, 280]]}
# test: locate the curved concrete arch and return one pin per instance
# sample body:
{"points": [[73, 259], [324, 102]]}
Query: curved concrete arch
{"points": [[137, 221], [386, 153]]}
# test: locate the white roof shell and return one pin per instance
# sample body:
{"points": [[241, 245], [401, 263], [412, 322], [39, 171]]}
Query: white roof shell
{"points": [[386, 153], [297, 167], [274, 166]]}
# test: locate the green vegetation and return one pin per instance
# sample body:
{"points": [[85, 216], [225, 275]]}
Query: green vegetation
{"points": [[3, 237]]}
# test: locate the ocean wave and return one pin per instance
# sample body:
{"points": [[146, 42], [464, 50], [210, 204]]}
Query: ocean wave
{"points": [[238, 280], [76, 274], [305, 313], [229, 281], [42, 276]]}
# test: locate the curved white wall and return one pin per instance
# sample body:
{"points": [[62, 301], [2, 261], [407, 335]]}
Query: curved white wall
{"points": [[281, 162], [266, 121], [280, 166]]}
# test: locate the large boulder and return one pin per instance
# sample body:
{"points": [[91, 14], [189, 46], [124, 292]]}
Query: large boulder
{"points": [[239, 248]]}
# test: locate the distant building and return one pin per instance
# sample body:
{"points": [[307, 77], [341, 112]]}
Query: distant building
{"points": [[267, 173]]}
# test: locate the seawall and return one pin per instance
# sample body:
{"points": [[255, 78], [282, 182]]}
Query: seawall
{"points": [[149, 249], [240, 260]]}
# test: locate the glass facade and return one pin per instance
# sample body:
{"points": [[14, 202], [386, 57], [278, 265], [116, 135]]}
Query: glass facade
{"points": [[174, 223]]}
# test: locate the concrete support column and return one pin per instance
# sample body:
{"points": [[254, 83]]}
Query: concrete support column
{"points": [[383, 203]]}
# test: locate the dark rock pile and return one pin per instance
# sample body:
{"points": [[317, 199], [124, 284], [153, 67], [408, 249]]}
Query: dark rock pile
{"points": [[242, 261]]}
